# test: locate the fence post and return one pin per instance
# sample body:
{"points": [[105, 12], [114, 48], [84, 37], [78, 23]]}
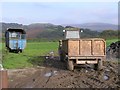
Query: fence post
{"points": [[3, 78]]}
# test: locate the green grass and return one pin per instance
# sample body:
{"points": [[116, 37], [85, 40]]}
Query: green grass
{"points": [[109, 41], [32, 55], [40, 48]]}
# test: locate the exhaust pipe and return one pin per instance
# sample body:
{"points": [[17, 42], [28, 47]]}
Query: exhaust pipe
{"points": [[3, 77]]}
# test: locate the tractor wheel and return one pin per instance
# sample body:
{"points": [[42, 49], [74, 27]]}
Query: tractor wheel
{"points": [[70, 65], [18, 51], [99, 65], [61, 58], [21, 51], [9, 50]]}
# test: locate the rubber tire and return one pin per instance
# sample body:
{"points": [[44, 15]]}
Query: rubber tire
{"points": [[70, 65], [61, 58], [9, 50], [99, 65], [95, 66], [21, 51], [18, 51]]}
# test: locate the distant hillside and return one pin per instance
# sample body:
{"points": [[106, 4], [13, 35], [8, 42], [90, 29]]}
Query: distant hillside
{"points": [[36, 30], [47, 31], [95, 26]]}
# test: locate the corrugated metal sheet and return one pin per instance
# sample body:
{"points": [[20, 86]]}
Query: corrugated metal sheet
{"points": [[14, 44]]}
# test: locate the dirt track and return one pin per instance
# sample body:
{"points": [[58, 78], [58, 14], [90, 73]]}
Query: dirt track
{"points": [[53, 74]]}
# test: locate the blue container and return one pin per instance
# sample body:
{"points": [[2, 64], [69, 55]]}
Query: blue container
{"points": [[15, 39]]}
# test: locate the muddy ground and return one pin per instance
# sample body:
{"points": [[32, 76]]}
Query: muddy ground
{"points": [[53, 74]]}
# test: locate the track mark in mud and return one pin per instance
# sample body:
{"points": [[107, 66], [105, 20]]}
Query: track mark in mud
{"points": [[49, 76], [56, 76]]}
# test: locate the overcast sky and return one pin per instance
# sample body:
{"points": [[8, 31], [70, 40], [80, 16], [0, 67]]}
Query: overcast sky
{"points": [[59, 12]]}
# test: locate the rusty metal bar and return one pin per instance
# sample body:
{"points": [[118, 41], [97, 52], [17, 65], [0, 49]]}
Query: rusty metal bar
{"points": [[3, 79]]}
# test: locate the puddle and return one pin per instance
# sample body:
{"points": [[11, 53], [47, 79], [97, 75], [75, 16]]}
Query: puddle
{"points": [[92, 70], [86, 71], [55, 72], [28, 86], [11, 80], [106, 77], [48, 74], [51, 74], [107, 70], [106, 74]]}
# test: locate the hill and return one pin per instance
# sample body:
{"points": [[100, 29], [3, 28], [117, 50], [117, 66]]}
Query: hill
{"points": [[47, 31], [36, 30], [96, 26]]}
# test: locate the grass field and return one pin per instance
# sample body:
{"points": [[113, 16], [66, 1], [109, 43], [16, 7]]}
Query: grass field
{"points": [[108, 42], [32, 55]]}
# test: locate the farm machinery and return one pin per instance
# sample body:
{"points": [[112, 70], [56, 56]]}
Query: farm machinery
{"points": [[15, 39], [76, 51]]}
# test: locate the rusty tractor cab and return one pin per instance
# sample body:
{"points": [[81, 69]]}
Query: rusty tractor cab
{"points": [[76, 51]]}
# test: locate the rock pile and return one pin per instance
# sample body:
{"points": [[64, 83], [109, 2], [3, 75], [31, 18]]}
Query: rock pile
{"points": [[114, 50]]}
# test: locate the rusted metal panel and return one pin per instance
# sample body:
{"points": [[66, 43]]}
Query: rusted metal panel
{"points": [[99, 47], [85, 61], [86, 57], [73, 47], [85, 47], [3, 79]]}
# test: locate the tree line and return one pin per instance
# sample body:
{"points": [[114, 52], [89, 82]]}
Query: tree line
{"points": [[55, 32]]}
